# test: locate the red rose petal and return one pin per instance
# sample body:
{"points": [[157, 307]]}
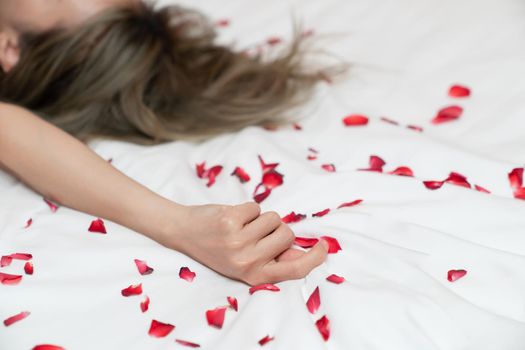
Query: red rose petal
{"points": [[329, 167], [389, 121], [265, 286], [186, 274], [97, 226], [481, 189], [292, 218], [333, 244], [144, 305], [313, 150], [323, 325], [314, 301], [48, 347], [458, 180], [51, 205], [321, 213], [265, 340], [212, 174], [132, 290], [516, 178], [222, 23], [311, 157], [266, 167], [160, 330], [375, 163], [273, 40], [350, 204], [402, 171], [262, 196], [18, 317], [241, 174], [233, 303], [447, 114], [458, 91], [272, 179], [335, 279], [143, 267], [187, 343], [5, 261], [28, 223], [454, 275], [433, 185], [520, 193], [305, 242], [297, 127], [201, 169], [21, 256], [8, 279], [215, 317], [28, 268], [355, 120], [415, 128]]}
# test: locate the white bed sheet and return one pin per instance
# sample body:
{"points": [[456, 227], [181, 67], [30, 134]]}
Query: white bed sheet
{"points": [[397, 245]]}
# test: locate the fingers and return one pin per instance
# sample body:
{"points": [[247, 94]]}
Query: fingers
{"points": [[248, 211], [265, 224], [270, 246], [278, 271]]}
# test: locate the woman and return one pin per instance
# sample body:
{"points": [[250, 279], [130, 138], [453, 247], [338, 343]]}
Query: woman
{"points": [[74, 70]]}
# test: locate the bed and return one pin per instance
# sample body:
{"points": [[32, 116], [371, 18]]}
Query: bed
{"points": [[413, 164]]}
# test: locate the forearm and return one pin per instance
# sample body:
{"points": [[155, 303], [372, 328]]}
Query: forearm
{"points": [[63, 169]]}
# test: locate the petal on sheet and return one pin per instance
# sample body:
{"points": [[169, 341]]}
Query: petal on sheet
{"points": [[212, 174], [293, 217], [51, 205], [265, 286], [520, 193], [329, 167], [323, 325], [186, 274], [454, 275], [159, 329], [333, 244], [29, 268], [187, 343], [201, 170], [350, 204], [272, 179], [458, 180], [266, 167], [97, 226], [241, 174], [305, 242], [29, 223], [258, 198], [18, 317], [265, 340], [222, 23], [516, 178], [5, 260], [134, 289], [311, 157], [144, 305], [274, 40], [375, 164], [48, 347], [458, 91], [321, 213], [314, 301], [143, 267], [8, 279], [447, 114], [335, 279], [233, 303], [481, 189], [433, 185], [389, 121], [215, 317], [297, 127], [415, 128], [402, 171], [21, 256], [355, 120]]}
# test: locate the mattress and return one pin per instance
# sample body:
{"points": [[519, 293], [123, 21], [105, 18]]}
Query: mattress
{"points": [[423, 140]]}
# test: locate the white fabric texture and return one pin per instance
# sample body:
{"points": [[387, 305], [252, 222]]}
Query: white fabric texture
{"points": [[397, 246]]}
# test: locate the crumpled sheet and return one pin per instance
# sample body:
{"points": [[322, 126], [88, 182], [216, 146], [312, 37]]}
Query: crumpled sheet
{"points": [[397, 245]]}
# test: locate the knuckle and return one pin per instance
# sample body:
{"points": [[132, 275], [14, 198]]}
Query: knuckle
{"points": [[273, 217]]}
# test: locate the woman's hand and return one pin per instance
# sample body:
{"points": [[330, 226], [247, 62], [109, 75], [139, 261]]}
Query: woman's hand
{"points": [[240, 243]]}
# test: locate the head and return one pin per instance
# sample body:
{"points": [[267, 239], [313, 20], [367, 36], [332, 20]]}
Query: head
{"points": [[124, 70]]}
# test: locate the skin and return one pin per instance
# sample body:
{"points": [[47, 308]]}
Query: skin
{"points": [[237, 241]]}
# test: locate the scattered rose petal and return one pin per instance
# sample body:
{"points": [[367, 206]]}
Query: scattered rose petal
{"points": [[311, 157], [233, 302], [262, 196], [97, 226], [51, 205], [8, 279], [313, 150], [18, 317], [144, 305], [329, 167], [375, 164], [48, 347], [132, 290], [389, 121], [273, 40], [28, 223], [402, 171], [272, 179], [323, 325], [222, 23], [201, 169], [458, 180], [314, 301], [454, 275], [266, 167], [333, 244], [292, 218], [265, 286], [350, 204], [516, 178], [21, 256], [458, 91], [187, 343], [481, 189], [305, 242], [335, 279], [447, 114], [433, 185], [209, 174], [265, 340], [241, 174], [159, 329], [215, 317], [28, 268], [355, 120], [143, 267], [321, 213], [5, 261], [297, 127], [520, 193], [415, 128], [186, 274]]}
